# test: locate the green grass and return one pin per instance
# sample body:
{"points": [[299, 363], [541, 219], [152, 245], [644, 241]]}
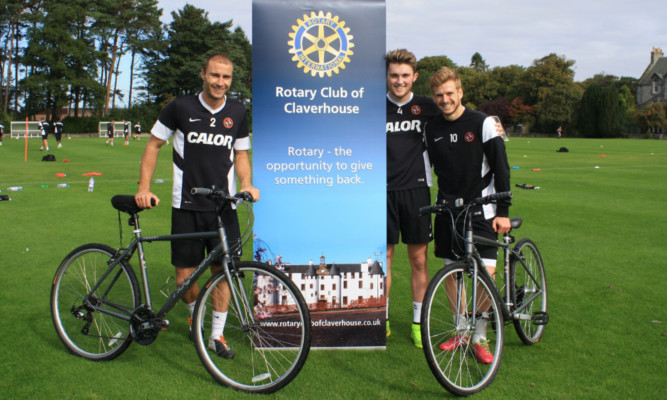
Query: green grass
{"points": [[600, 231]]}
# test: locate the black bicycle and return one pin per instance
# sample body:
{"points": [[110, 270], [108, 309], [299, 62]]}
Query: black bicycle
{"points": [[99, 308], [463, 296]]}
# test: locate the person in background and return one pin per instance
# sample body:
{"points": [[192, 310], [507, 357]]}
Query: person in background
{"points": [[44, 129], [136, 135], [58, 131], [110, 132]]}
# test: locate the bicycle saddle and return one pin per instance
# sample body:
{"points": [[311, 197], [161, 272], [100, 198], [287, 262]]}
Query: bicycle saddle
{"points": [[125, 203]]}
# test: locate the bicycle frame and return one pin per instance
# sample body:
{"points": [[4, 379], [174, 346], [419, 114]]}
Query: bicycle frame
{"points": [[508, 252], [177, 294]]}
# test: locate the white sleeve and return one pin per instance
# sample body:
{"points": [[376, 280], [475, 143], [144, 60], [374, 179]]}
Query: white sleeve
{"points": [[489, 129], [242, 143]]}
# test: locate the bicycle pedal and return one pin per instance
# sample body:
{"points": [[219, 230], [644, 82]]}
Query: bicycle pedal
{"points": [[164, 325], [540, 318]]}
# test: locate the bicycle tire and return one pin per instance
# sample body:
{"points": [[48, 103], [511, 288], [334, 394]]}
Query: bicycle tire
{"points": [[457, 369], [526, 281], [273, 347], [107, 337]]}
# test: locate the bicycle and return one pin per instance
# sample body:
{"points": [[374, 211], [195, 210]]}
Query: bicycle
{"points": [[99, 308], [462, 295]]}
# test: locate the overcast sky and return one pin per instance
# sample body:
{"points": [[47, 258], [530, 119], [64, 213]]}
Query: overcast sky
{"points": [[614, 37], [611, 36]]}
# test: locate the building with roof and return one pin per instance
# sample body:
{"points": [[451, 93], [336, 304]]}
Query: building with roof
{"points": [[330, 286], [652, 85]]}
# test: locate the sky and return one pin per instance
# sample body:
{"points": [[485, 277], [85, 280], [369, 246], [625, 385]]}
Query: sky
{"points": [[614, 37]]}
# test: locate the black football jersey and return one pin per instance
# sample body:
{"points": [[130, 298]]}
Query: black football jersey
{"points": [[408, 166], [204, 143], [469, 159]]}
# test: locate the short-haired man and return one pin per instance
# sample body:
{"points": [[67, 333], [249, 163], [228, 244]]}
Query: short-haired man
{"points": [[126, 132], [111, 131], [469, 160], [408, 177], [58, 132], [44, 130], [202, 163]]}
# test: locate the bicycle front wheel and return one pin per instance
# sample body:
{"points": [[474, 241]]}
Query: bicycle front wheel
{"points": [[83, 329], [462, 333], [529, 294], [266, 328]]}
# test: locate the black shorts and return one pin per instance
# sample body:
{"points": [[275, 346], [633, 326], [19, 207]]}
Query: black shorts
{"points": [[189, 253], [403, 216], [453, 248]]}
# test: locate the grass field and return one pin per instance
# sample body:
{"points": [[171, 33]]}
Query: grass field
{"points": [[598, 219]]}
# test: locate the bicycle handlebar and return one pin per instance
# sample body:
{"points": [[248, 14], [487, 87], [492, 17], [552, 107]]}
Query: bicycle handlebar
{"points": [[459, 203], [221, 194]]}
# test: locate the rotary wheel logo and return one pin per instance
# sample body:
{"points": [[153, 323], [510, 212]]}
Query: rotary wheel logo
{"points": [[320, 44]]}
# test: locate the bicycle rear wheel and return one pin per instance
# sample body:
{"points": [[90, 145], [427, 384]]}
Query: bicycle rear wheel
{"points": [[269, 332], [448, 336], [84, 331], [529, 284]]}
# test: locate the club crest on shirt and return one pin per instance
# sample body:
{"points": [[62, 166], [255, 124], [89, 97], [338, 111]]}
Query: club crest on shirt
{"points": [[469, 137], [228, 123], [416, 110]]}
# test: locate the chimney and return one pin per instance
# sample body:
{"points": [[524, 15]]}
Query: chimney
{"points": [[656, 54]]}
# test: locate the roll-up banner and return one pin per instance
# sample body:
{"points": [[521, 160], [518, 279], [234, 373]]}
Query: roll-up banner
{"points": [[319, 159]]}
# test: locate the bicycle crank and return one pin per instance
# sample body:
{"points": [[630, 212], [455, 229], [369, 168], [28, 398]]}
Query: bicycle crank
{"points": [[145, 326]]}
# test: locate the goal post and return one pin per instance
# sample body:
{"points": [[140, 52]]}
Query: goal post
{"points": [[17, 129], [118, 128]]}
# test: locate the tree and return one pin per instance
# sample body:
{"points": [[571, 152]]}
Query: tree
{"points": [[498, 107], [191, 38], [520, 113], [426, 67], [612, 113], [144, 23], [505, 81], [549, 71], [601, 112], [556, 105], [12, 16], [652, 118], [549, 84], [478, 64], [589, 110]]}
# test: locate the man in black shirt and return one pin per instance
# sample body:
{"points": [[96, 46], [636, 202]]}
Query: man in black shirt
{"points": [[58, 131], [44, 129], [211, 143], [469, 159], [408, 177]]}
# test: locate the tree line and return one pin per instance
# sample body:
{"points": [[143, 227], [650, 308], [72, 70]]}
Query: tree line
{"points": [[544, 96], [56, 54]]}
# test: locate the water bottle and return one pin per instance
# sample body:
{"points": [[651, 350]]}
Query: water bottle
{"points": [[15, 188], [63, 185], [91, 184]]}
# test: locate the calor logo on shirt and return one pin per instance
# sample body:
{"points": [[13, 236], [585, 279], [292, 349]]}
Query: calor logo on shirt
{"points": [[212, 139]]}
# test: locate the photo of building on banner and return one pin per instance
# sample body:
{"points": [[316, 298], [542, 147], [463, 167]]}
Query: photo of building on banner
{"points": [[319, 157]]}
